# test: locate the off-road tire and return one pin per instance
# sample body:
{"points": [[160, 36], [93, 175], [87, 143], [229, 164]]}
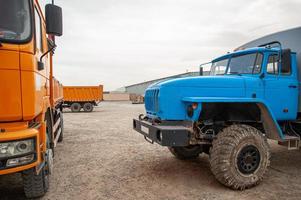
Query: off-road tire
{"points": [[185, 153], [88, 107], [61, 138], [226, 157], [35, 185], [75, 107]]}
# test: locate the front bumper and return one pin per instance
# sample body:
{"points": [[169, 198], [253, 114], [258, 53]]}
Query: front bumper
{"points": [[165, 134], [19, 135]]}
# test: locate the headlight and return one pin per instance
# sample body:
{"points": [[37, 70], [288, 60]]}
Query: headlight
{"points": [[15, 148]]}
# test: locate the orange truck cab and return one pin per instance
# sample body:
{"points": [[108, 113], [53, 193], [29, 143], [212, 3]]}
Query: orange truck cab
{"points": [[31, 120]]}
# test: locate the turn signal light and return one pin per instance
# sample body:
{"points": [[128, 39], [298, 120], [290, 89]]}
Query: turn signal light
{"points": [[194, 106]]}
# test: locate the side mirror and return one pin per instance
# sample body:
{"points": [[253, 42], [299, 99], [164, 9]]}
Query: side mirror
{"points": [[286, 61], [201, 71], [54, 20]]}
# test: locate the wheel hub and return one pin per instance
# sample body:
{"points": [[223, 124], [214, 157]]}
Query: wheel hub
{"points": [[248, 159]]}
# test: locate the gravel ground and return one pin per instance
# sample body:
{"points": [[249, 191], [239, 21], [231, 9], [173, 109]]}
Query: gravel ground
{"points": [[103, 158]]}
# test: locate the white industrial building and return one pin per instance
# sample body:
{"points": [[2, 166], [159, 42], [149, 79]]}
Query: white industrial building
{"points": [[140, 88]]}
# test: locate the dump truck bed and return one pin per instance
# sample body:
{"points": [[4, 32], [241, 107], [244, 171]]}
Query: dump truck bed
{"points": [[57, 92], [83, 93]]}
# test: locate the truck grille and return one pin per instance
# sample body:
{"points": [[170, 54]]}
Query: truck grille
{"points": [[151, 101]]}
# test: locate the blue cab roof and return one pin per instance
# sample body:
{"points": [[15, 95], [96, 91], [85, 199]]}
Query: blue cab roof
{"points": [[246, 51]]}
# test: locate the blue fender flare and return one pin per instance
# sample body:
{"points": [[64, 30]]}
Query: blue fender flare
{"points": [[270, 124]]}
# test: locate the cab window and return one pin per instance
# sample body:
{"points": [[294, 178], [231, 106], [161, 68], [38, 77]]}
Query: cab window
{"points": [[258, 62], [38, 31], [272, 66], [219, 67], [15, 21], [286, 68]]}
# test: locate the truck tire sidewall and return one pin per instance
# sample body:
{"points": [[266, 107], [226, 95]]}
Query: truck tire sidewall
{"points": [[36, 185], [75, 107], [226, 149], [88, 107]]}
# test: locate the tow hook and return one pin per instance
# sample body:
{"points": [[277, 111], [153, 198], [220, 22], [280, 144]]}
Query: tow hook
{"points": [[150, 141]]}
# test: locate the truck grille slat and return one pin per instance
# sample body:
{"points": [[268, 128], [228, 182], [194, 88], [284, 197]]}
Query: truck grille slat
{"points": [[151, 101]]}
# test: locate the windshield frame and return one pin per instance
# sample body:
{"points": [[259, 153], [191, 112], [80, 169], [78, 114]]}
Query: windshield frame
{"points": [[29, 38], [228, 59]]}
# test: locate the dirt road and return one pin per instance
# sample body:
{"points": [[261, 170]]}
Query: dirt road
{"points": [[103, 158]]}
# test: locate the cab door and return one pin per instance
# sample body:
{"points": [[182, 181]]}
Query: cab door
{"points": [[281, 89], [34, 77]]}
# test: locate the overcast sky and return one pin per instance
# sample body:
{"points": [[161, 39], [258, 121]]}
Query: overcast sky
{"points": [[122, 42]]}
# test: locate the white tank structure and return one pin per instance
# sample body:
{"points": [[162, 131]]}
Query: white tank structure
{"points": [[289, 39]]}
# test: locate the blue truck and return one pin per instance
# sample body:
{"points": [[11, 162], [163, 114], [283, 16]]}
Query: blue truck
{"points": [[250, 96]]}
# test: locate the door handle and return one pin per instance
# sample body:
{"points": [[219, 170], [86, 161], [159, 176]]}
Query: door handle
{"points": [[292, 86]]}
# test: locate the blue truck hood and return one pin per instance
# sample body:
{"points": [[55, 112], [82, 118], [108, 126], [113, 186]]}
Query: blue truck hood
{"points": [[165, 99], [205, 82]]}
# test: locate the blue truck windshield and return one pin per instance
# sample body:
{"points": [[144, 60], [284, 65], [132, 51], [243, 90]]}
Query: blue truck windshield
{"points": [[14, 21], [242, 64]]}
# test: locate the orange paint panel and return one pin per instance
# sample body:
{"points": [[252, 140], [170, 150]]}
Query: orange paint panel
{"points": [[18, 169], [27, 62], [13, 126], [17, 135], [83, 93], [10, 95], [33, 91], [29, 47], [10, 47], [9, 59]]}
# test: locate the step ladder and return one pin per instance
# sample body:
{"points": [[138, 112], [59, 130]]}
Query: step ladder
{"points": [[291, 138], [292, 142]]}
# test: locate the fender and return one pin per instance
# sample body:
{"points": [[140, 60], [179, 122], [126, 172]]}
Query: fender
{"points": [[270, 124]]}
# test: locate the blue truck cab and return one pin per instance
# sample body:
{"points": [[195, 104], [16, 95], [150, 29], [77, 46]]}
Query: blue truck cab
{"points": [[251, 95]]}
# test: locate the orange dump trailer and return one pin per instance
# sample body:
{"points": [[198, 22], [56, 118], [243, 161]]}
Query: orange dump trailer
{"points": [[82, 97]]}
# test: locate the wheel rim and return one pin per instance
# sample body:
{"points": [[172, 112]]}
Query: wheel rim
{"points": [[88, 107], [248, 159]]}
